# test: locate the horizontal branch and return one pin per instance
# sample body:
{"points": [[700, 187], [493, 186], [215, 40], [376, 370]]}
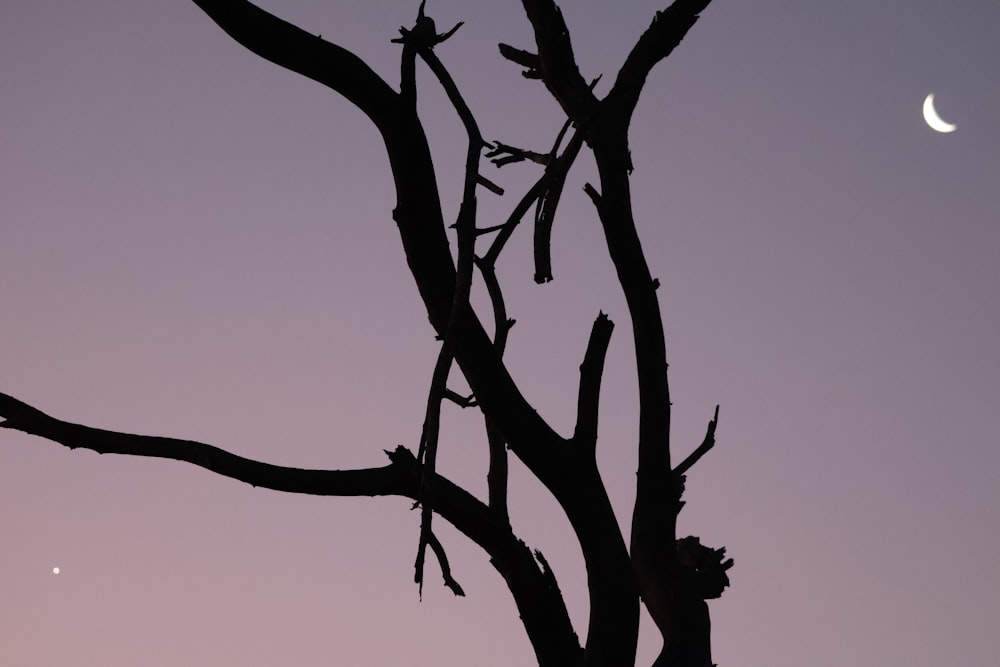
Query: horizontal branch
{"points": [[526, 59], [387, 480], [542, 609]]}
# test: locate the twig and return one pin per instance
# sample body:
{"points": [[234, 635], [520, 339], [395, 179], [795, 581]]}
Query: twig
{"points": [[442, 559], [703, 448], [465, 227]]}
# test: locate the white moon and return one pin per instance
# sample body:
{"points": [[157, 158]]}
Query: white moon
{"points": [[933, 119], [55, 570]]}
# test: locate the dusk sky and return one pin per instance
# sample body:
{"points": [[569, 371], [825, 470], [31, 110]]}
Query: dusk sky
{"points": [[196, 243]]}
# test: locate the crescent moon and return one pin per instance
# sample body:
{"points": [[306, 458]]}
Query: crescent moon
{"points": [[933, 119]]}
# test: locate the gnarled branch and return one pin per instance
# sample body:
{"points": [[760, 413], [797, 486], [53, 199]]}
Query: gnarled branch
{"points": [[542, 609]]}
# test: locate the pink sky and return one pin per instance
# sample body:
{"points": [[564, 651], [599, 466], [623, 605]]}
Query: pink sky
{"points": [[196, 243]]}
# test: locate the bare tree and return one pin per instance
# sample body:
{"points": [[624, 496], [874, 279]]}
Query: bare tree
{"points": [[672, 577]]}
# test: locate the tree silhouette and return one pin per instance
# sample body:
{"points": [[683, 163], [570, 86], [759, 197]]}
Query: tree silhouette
{"points": [[673, 577]]}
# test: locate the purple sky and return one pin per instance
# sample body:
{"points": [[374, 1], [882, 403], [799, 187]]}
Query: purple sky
{"points": [[196, 243]]}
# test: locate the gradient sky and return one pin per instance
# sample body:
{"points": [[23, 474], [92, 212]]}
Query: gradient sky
{"points": [[196, 243]]}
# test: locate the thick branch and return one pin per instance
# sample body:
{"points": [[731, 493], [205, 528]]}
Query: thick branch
{"points": [[497, 475], [387, 480], [656, 43], [591, 371], [657, 495], [703, 448], [545, 213], [442, 558], [556, 61], [293, 48]]}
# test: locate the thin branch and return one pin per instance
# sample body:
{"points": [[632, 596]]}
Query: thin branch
{"points": [[424, 34], [513, 220], [489, 185], [459, 400], [465, 228], [703, 448], [427, 455], [476, 142], [497, 474], [501, 323], [503, 154], [387, 480], [557, 168]]}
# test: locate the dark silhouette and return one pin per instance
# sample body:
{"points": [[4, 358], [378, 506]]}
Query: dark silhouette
{"points": [[673, 577]]}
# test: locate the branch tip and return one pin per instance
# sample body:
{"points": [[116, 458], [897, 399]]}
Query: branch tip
{"points": [[523, 58], [703, 448]]}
